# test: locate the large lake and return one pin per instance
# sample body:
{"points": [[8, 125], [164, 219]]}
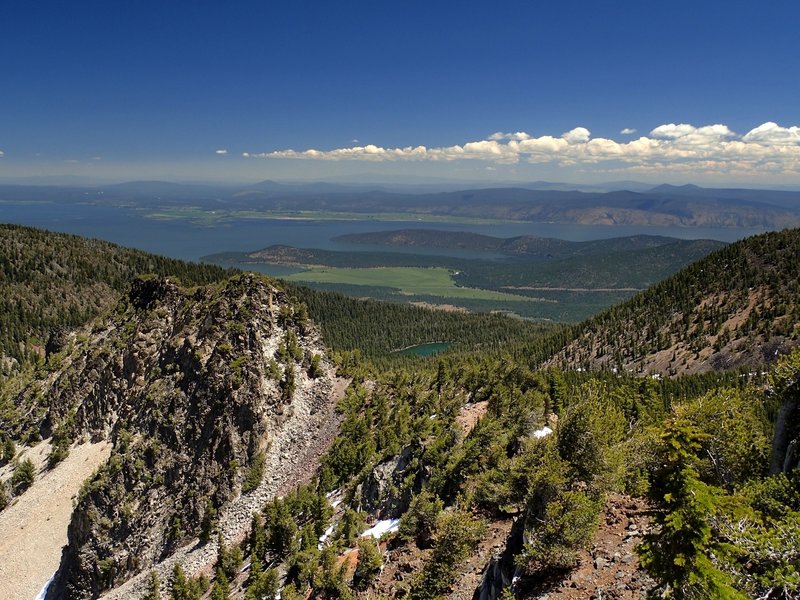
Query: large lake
{"points": [[187, 240]]}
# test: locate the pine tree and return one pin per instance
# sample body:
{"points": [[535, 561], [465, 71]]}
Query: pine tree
{"points": [[678, 553]]}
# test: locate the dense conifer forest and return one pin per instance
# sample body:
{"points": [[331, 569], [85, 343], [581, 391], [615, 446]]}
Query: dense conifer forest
{"points": [[52, 280]]}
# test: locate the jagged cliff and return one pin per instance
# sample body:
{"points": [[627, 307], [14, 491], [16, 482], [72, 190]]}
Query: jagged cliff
{"points": [[196, 390]]}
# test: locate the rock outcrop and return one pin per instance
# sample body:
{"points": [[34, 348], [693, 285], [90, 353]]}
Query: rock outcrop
{"points": [[193, 388]]}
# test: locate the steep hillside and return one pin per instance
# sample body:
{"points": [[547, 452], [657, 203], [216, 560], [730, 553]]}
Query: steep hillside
{"points": [[241, 467], [50, 280], [211, 399], [737, 306]]}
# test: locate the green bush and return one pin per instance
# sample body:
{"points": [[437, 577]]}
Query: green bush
{"points": [[154, 587], [4, 496], [456, 535], [8, 451], [255, 474], [737, 444], [587, 435], [419, 521], [569, 523], [370, 561], [23, 476], [209, 522], [678, 553], [229, 560], [350, 526]]}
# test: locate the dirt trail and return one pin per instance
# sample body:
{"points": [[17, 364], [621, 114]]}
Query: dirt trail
{"points": [[34, 529]]}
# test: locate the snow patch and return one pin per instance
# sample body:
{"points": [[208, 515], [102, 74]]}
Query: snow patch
{"points": [[43, 593], [543, 432], [324, 537], [382, 527]]}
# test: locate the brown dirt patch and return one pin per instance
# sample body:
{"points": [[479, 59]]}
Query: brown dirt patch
{"points": [[469, 415], [610, 568]]}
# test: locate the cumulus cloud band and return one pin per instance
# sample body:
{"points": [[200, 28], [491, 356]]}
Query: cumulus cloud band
{"points": [[769, 147]]}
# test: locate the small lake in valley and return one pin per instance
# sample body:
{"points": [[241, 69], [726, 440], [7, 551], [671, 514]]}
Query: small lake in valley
{"points": [[424, 349]]}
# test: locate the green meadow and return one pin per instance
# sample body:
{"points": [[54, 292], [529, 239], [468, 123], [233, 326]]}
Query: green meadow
{"points": [[411, 281]]}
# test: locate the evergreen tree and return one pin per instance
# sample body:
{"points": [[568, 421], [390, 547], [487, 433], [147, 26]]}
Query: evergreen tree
{"points": [[221, 590], [678, 553], [154, 588]]}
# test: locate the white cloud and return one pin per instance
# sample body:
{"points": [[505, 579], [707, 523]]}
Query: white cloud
{"points": [[772, 134], [221, 152], [680, 147], [579, 135], [627, 131], [517, 136], [2, 154]]}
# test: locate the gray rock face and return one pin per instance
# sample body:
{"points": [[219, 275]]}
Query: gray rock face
{"points": [[382, 491], [180, 382], [786, 441]]}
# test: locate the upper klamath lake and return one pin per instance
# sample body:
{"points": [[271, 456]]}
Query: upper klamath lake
{"points": [[180, 238]]}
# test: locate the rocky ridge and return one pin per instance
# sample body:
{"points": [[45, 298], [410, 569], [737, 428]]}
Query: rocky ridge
{"points": [[212, 398]]}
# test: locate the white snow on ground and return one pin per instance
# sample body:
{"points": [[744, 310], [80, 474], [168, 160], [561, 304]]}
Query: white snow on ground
{"points": [[324, 537], [382, 527], [543, 432], [43, 593]]}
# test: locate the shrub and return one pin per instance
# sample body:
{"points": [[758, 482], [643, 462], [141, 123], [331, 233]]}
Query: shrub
{"points": [[316, 369], [678, 553], [154, 587], [208, 522], [370, 561], [456, 535], [4, 497], [229, 560], [568, 524], [9, 449], [255, 474], [419, 521], [23, 476]]}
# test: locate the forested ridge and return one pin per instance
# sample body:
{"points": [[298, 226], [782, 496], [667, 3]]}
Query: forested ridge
{"points": [[53, 280], [736, 306], [376, 329], [568, 281], [50, 280]]}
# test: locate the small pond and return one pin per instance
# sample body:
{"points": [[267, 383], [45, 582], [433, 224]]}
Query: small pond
{"points": [[424, 349]]}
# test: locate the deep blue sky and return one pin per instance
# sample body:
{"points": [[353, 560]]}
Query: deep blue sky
{"points": [[155, 88]]}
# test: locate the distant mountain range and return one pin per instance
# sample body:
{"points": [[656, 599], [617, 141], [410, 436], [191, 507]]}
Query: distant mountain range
{"points": [[664, 205]]}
